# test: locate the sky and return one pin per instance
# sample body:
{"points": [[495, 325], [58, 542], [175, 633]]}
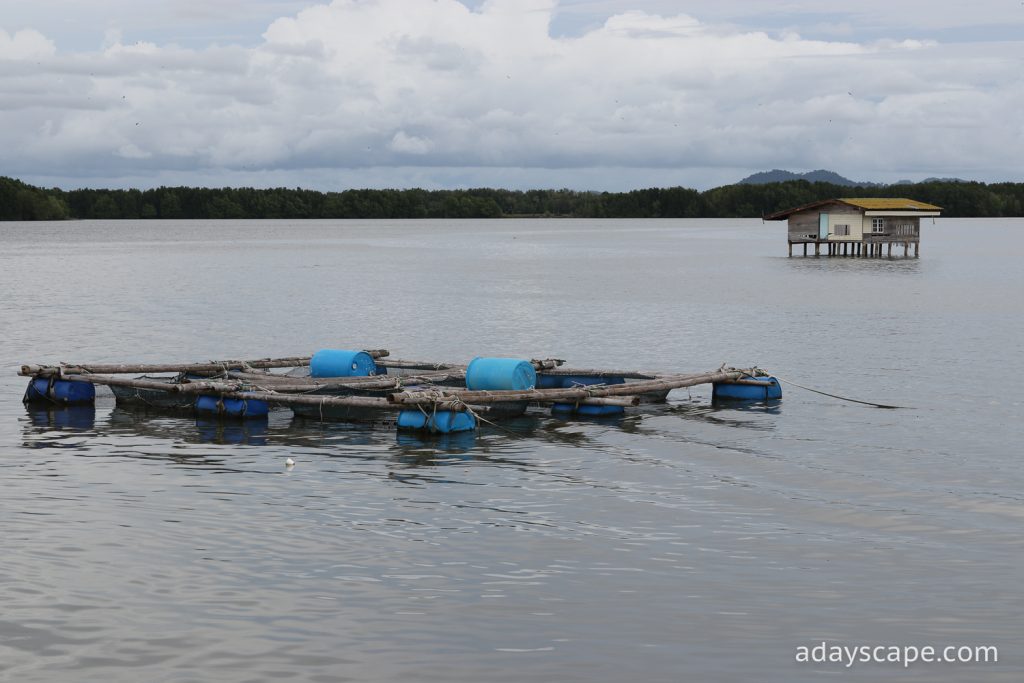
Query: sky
{"points": [[584, 94]]}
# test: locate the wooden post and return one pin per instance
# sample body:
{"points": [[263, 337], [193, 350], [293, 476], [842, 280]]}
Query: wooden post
{"points": [[805, 248], [917, 249], [817, 248], [890, 250], [790, 243]]}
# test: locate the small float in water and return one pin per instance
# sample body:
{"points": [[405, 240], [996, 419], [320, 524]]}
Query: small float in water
{"points": [[370, 386]]}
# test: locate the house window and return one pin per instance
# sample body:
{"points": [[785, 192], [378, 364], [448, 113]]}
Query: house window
{"points": [[842, 230], [877, 225]]}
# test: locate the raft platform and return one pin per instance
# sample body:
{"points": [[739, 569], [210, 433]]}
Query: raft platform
{"points": [[370, 386]]}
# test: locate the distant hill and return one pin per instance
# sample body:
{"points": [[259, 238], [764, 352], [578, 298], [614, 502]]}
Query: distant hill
{"points": [[819, 176]]}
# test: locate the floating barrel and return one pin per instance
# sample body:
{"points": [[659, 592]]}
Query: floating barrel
{"points": [[233, 407], [440, 422], [340, 363], [748, 389], [573, 381], [583, 409], [52, 390], [500, 374]]}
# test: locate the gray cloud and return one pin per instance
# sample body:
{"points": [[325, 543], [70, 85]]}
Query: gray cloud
{"points": [[400, 93]]}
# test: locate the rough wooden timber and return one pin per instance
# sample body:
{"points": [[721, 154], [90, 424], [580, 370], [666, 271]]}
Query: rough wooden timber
{"points": [[147, 368], [570, 395], [625, 374]]}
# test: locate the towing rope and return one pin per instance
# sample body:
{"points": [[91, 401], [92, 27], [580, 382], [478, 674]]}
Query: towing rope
{"points": [[843, 398]]}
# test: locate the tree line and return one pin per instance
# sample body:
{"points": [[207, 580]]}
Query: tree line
{"points": [[20, 201]]}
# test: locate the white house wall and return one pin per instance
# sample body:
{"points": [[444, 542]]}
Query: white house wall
{"points": [[854, 219]]}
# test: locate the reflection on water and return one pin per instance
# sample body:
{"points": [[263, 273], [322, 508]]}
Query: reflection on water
{"points": [[251, 431], [62, 417]]}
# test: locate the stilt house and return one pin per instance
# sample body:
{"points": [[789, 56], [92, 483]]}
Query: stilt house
{"points": [[857, 227]]}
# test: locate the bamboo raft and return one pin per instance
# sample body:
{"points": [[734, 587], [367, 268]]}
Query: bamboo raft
{"points": [[370, 386]]}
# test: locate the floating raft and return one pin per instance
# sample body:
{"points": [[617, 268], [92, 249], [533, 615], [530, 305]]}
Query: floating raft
{"points": [[369, 386]]}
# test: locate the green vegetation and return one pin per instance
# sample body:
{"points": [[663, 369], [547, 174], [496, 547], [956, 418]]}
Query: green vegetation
{"points": [[19, 201]]}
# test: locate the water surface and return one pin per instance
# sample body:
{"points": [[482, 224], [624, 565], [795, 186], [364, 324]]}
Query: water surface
{"points": [[688, 542]]}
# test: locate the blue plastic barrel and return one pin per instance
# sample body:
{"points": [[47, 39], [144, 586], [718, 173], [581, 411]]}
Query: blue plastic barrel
{"points": [[441, 422], [748, 392], [592, 411], [234, 407], [46, 390], [341, 363], [500, 374], [571, 381]]}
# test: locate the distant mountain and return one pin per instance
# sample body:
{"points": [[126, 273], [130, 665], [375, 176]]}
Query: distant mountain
{"points": [[819, 176]]}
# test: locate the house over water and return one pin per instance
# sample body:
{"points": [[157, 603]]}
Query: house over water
{"points": [[857, 227]]}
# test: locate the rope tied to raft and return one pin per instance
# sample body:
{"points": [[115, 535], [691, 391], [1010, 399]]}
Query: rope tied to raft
{"points": [[844, 398], [758, 372]]}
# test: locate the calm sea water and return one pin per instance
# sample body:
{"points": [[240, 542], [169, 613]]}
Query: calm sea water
{"points": [[686, 542]]}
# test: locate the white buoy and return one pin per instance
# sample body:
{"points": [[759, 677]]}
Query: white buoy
{"points": [[289, 463]]}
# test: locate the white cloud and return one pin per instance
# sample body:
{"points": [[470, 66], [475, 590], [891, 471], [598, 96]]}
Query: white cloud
{"points": [[431, 88], [24, 44]]}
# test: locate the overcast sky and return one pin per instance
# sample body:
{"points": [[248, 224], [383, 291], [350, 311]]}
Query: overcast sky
{"points": [[587, 94]]}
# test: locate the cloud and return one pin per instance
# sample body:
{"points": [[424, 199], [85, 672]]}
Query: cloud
{"points": [[25, 44], [430, 89]]}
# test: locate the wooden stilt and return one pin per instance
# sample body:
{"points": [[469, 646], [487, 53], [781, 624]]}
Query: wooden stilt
{"points": [[889, 254], [917, 249], [805, 248], [817, 248], [790, 244]]}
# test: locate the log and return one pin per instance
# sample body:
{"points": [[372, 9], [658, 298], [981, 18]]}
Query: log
{"points": [[238, 390], [312, 383], [154, 384], [567, 395], [621, 401], [419, 365], [626, 374], [751, 382], [144, 368], [343, 401]]}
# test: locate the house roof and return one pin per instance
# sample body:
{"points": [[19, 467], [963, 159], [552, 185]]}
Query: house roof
{"points": [[889, 204], [864, 203]]}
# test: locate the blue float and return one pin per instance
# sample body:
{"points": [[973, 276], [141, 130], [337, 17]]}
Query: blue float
{"points": [[766, 389], [500, 374], [586, 410], [341, 363], [232, 407], [440, 422], [572, 381], [51, 390]]}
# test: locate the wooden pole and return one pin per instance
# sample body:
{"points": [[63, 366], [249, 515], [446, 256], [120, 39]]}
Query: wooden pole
{"points": [[917, 249], [625, 374], [805, 248], [567, 395], [790, 245], [144, 368], [154, 384]]}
